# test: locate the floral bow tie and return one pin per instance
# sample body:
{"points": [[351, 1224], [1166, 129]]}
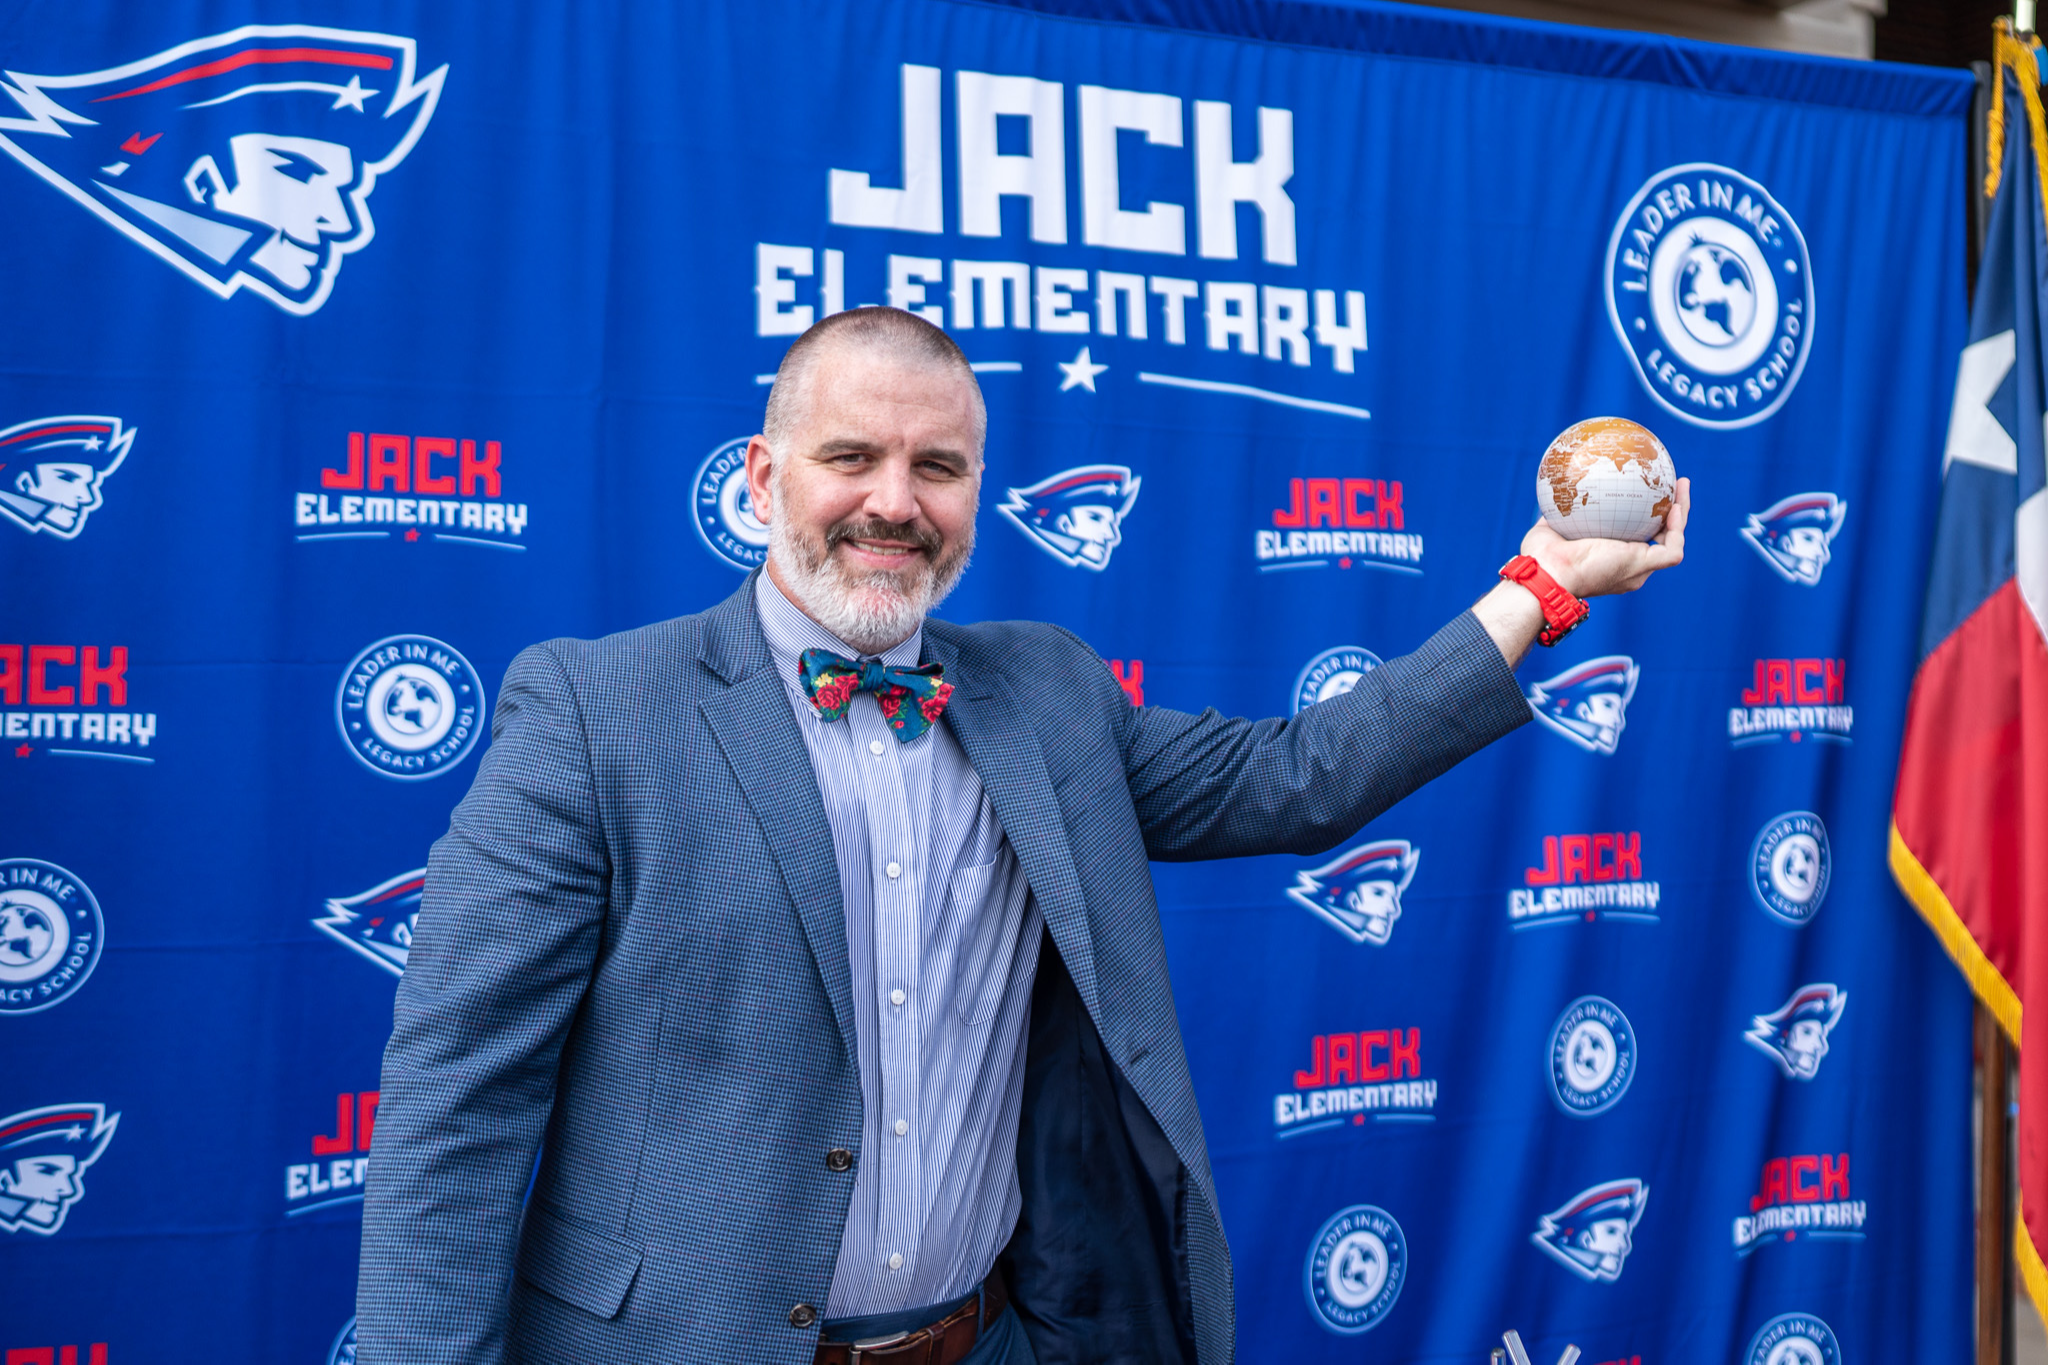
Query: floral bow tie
{"points": [[830, 682]]}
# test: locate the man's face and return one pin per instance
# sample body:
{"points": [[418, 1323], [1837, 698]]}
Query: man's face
{"points": [[47, 1180], [874, 499]]}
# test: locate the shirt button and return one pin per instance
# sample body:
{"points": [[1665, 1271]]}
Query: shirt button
{"points": [[897, 997], [896, 1261], [802, 1316], [894, 870], [902, 1127], [839, 1159], [875, 747]]}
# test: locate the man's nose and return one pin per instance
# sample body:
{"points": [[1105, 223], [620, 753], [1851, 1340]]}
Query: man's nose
{"points": [[892, 496]]}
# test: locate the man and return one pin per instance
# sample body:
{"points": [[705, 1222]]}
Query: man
{"points": [[819, 938]]}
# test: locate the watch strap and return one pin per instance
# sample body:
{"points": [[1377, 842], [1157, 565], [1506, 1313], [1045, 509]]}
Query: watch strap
{"points": [[1562, 612]]}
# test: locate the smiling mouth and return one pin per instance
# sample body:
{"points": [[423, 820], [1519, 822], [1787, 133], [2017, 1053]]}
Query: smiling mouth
{"points": [[884, 542], [884, 549]]}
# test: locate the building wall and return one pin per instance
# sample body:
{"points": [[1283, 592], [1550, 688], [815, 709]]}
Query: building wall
{"points": [[1836, 28]]}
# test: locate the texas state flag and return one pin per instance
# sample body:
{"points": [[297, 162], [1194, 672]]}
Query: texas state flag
{"points": [[1969, 840]]}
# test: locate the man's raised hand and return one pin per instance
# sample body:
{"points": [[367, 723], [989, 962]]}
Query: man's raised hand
{"points": [[1594, 567]]}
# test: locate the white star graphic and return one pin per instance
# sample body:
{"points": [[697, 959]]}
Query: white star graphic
{"points": [[91, 443], [1974, 435], [352, 95], [1080, 372]]}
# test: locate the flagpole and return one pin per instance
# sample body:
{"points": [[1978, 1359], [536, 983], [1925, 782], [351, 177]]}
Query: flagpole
{"points": [[1995, 1205], [1994, 1192]]}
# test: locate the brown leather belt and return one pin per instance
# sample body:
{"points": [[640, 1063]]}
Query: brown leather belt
{"points": [[944, 1342]]}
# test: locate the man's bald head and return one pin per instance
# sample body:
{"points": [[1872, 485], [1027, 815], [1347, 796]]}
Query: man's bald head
{"points": [[889, 333]]}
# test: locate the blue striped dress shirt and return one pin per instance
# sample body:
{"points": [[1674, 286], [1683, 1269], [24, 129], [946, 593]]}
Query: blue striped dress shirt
{"points": [[942, 936]]}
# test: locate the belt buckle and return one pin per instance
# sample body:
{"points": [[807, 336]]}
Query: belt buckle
{"points": [[876, 1343]]}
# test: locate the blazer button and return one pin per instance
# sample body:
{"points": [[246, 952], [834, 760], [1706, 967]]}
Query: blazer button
{"points": [[839, 1159], [803, 1315]]}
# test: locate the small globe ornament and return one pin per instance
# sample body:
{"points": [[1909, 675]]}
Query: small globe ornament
{"points": [[1606, 477]]}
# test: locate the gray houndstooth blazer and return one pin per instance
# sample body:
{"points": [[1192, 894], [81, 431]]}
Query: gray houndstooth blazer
{"points": [[631, 965]]}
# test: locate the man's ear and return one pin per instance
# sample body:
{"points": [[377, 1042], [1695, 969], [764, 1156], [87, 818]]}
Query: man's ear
{"points": [[760, 478]]}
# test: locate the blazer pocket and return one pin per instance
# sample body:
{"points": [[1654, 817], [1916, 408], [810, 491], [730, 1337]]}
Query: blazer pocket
{"points": [[575, 1262]]}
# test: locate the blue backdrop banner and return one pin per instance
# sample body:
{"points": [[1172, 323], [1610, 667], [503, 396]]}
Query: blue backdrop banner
{"points": [[349, 348]]}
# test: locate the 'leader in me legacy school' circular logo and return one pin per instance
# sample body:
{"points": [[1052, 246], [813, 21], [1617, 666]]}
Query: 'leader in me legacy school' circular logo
{"points": [[1356, 1267], [722, 508], [1592, 1057], [1790, 866], [50, 935], [410, 707], [1332, 673], [1794, 1339], [1711, 292]]}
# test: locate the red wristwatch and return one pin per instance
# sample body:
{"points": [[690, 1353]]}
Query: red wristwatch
{"points": [[1562, 612]]}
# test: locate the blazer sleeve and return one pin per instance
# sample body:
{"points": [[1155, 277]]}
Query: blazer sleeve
{"points": [[502, 954], [1208, 786]]}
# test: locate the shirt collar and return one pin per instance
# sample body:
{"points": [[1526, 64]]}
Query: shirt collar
{"points": [[790, 633]]}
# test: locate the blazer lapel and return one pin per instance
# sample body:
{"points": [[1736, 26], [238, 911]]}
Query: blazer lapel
{"points": [[1007, 756], [755, 727]]}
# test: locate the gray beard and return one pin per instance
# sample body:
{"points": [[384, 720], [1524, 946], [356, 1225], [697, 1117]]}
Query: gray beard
{"points": [[870, 612]]}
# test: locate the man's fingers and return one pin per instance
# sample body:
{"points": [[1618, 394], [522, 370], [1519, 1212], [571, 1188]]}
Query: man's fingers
{"points": [[1678, 514], [1669, 546]]}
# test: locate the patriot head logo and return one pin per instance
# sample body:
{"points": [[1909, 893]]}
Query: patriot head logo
{"points": [[1591, 1234], [378, 923], [1588, 704], [246, 159], [343, 1351], [1077, 515], [1793, 534], [1795, 1035], [1359, 894], [51, 470], [43, 1156]]}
